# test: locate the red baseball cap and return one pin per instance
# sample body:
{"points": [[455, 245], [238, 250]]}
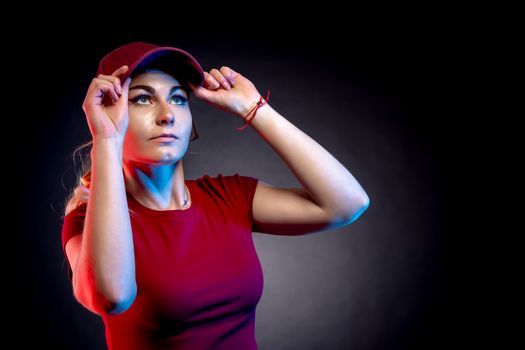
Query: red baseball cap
{"points": [[183, 66], [139, 54]]}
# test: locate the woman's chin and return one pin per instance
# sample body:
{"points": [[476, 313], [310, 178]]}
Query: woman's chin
{"points": [[160, 157], [169, 157]]}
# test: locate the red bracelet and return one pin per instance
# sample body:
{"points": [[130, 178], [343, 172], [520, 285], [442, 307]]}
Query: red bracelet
{"points": [[259, 104]]}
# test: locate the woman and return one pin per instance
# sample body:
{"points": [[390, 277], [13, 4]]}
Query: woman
{"points": [[169, 262]]}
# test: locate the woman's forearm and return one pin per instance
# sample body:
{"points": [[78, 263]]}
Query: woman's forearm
{"points": [[105, 269], [327, 181]]}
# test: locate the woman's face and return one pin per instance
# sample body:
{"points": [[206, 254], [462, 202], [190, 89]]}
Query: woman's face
{"points": [[157, 106]]}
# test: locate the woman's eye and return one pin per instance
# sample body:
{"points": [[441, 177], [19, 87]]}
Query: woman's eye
{"points": [[179, 99], [141, 99]]}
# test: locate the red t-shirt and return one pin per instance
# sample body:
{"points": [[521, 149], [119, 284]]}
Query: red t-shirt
{"points": [[198, 275]]}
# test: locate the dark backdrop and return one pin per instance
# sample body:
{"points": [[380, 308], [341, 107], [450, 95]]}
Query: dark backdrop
{"points": [[382, 102]]}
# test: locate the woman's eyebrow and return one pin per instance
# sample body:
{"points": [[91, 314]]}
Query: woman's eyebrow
{"points": [[175, 88], [143, 87], [151, 90]]}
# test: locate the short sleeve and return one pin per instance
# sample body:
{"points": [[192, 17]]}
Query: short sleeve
{"points": [[250, 184], [73, 225], [244, 187]]}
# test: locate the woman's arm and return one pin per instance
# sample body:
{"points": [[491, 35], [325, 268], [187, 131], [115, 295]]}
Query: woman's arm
{"points": [[102, 260], [331, 197], [104, 273]]}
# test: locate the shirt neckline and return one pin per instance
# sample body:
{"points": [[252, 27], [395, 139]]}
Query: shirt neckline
{"points": [[178, 214]]}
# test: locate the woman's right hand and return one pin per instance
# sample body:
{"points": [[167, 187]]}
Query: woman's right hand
{"points": [[106, 106]]}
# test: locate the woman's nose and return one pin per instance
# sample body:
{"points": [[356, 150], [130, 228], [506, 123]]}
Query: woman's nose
{"points": [[166, 119]]}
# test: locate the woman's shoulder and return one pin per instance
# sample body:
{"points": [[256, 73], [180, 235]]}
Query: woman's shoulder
{"points": [[235, 190], [222, 179], [230, 185], [76, 209], [217, 176]]}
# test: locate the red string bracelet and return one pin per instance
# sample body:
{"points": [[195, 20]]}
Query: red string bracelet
{"points": [[259, 104]]}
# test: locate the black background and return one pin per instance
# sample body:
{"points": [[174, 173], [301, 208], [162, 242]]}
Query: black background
{"points": [[421, 66]]}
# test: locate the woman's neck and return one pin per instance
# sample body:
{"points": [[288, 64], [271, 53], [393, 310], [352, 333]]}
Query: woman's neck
{"points": [[158, 187]]}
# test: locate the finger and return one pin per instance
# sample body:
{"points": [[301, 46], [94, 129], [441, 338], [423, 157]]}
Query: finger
{"points": [[98, 91], [113, 80], [210, 81], [229, 74], [202, 93], [220, 78], [125, 91], [108, 88], [120, 71], [125, 86]]}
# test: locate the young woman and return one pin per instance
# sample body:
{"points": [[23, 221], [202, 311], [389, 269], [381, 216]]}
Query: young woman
{"points": [[169, 262]]}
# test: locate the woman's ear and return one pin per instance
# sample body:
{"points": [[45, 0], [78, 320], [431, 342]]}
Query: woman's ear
{"points": [[194, 131]]}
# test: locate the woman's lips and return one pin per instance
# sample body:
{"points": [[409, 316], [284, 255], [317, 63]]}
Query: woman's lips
{"points": [[165, 139]]}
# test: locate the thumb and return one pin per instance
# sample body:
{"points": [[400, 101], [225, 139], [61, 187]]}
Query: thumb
{"points": [[125, 91], [202, 93]]}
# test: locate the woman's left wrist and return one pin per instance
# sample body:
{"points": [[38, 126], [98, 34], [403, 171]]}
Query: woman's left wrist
{"points": [[252, 112], [248, 106]]}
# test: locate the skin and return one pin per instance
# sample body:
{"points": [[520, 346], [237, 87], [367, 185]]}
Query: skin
{"points": [[153, 169], [102, 257]]}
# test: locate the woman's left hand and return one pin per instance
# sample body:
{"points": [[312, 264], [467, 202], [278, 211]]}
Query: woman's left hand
{"points": [[228, 90]]}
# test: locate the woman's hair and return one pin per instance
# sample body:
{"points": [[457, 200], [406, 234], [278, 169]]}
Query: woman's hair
{"points": [[82, 172], [83, 151]]}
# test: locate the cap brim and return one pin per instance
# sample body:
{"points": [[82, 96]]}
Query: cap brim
{"points": [[176, 61]]}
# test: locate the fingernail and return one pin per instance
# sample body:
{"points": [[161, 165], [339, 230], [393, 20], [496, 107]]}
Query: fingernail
{"points": [[119, 88]]}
